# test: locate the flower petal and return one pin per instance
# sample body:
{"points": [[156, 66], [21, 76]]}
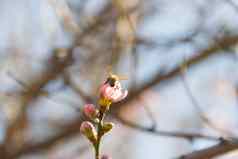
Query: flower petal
{"points": [[121, 96]]}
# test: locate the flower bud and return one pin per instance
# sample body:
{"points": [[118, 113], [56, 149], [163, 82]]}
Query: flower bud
{"points": [[90, 111], [107, 127], [89, 131], [105, 157]]}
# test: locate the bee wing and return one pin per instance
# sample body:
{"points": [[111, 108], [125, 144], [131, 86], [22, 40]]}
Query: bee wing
{"points": [[109, 70], [122, 77]]}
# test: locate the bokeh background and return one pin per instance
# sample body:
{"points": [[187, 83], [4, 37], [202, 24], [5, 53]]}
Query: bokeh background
{"points": [[180, 57]]}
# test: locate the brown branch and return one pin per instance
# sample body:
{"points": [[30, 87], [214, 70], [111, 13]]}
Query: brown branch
{"points": [[223, 147], [153, 131]]}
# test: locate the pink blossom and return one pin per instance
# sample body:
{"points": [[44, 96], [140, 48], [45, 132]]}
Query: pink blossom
{"points": [[115, 93], [90, 110]]}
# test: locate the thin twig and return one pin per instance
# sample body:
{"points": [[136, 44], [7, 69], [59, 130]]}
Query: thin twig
{"points": [[198, 108], [177, 134], [149, 113], [233, 4]]}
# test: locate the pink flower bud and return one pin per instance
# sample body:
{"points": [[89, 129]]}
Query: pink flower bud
{"points": [[105, 157], [89, 131], [90, 111], [86, 127]]}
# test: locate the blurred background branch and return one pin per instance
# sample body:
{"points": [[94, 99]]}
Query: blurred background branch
{"points": [[57, 53]]}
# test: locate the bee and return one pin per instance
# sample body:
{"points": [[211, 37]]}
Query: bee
{"points": [[112, 79]]}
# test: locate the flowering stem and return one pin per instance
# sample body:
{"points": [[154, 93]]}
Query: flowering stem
{"points": [[100, 133]]}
